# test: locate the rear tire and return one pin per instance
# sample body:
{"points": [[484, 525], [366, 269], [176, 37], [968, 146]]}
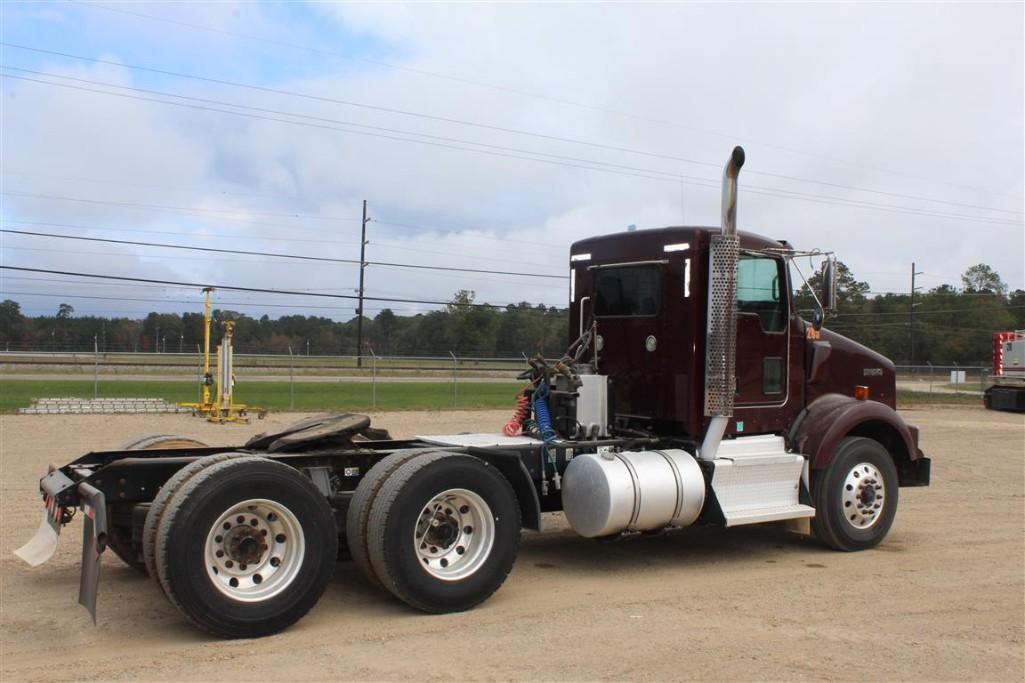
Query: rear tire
{"points": [[163, 497], [160, 442], [119, 538], [855, 496], [359, 510], [246, 547], [443, 532]]}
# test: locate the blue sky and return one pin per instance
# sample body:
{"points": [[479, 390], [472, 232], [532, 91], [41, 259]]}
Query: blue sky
{"points": [[163, 42]]}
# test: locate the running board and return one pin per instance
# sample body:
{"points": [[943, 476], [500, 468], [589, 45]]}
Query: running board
{"points": [[798, 511], [755, 480]]}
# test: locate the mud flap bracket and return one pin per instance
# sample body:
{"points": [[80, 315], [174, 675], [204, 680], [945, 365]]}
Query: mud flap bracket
{"points": [[94, 542]]}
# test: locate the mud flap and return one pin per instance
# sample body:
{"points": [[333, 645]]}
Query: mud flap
{"points": [[42, 546], [94, 542]]}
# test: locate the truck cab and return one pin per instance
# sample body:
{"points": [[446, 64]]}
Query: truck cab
{"points": [[647, 295]]}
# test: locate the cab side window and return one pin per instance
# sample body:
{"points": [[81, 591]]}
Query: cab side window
{"points": [[760, 287]]}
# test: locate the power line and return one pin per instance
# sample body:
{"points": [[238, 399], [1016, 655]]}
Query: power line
{"points": [[122, 182], [459, 277], [427, 141], [388, 243], [299, 257], [181, 301], [183, 209], [235, 288], [917, 313], [488, 149], [503, 129]]}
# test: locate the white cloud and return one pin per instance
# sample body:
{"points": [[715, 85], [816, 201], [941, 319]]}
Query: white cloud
{"points": [[915, 100]]}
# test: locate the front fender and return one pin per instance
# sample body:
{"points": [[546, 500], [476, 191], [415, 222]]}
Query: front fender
{"points": [[832, 417]]}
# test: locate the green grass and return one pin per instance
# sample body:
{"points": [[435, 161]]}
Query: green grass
{"points": [[911, 398], [16, 394]]}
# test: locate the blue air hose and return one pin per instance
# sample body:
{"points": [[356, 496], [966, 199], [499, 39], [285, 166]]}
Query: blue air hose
{"points": [[541, 415]]}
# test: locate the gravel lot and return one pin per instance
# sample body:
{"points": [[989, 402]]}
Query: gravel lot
{"points": [[942, 599]]}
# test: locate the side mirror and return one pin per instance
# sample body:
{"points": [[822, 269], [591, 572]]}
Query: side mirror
{"points": [[828, 297], [817, 318]]}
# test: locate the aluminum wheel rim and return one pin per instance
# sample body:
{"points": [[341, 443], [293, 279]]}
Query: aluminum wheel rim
{"points": [[254, 550], [454, 534], [864, 495]]}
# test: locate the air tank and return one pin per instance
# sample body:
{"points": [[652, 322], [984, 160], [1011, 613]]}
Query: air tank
{"points": [[604, 494]]}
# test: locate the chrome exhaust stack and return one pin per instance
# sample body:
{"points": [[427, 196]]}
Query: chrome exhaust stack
{"points": [[721, 330]]}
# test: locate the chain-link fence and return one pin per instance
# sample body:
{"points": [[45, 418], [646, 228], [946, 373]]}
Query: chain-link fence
{"points": [[464, 379], [935, 380], [300, 371]]}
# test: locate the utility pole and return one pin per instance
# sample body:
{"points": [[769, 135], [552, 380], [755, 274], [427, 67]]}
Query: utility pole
{"points": [[911, 314], [362, 272]]}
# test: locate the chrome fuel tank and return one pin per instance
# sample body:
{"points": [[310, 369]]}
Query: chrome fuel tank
{"points": [[634, 490]]}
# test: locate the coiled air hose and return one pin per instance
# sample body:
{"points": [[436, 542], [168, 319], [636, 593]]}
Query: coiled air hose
{"points": [[541, 415]]}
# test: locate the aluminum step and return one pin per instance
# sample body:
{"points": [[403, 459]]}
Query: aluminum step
{"points": [[757, 516], [755, 480]]}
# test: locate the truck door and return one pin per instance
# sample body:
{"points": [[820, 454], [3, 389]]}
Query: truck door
{"points": [[631, 309], [763, 343]]}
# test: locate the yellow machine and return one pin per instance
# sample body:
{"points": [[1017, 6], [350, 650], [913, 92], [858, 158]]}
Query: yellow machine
{"points": [[223, 408]]}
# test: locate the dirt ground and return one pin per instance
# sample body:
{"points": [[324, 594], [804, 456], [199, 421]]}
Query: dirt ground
{"points": [[943, 598]]}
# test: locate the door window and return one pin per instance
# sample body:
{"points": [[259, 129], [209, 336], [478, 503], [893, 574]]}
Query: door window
{"points": [[760, 291]]}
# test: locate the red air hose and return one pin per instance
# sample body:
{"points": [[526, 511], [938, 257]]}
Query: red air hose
{"points": [[513, 426]]}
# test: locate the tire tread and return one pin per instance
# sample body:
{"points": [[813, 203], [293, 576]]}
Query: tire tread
{"points": [[376, 529], [358, 515]]}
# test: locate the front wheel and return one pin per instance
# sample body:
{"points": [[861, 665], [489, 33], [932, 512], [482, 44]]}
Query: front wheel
{"points": [[246, 547], [855, 496], [443, 532]]}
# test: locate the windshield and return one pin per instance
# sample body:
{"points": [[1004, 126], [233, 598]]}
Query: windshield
{"points": [[627, 291]]}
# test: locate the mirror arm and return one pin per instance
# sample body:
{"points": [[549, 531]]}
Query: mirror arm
{"points": [[817, 320]]}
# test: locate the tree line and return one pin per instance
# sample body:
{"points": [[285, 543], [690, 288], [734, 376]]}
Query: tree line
{"points": [[463, 327], [950, 324]]}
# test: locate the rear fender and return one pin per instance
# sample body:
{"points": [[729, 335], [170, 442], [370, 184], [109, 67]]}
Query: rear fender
{"points": [[511, 466], [831, 418]]}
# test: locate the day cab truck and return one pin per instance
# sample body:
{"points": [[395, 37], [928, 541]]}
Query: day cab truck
{"points": [[1007, 392], [693, 394]]}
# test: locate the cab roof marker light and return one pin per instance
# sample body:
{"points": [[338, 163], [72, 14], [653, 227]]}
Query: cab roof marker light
{"points": [[682, 246], [579, 257]]}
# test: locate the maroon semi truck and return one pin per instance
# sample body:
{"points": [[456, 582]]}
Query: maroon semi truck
{"points": [[693, 394]]}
